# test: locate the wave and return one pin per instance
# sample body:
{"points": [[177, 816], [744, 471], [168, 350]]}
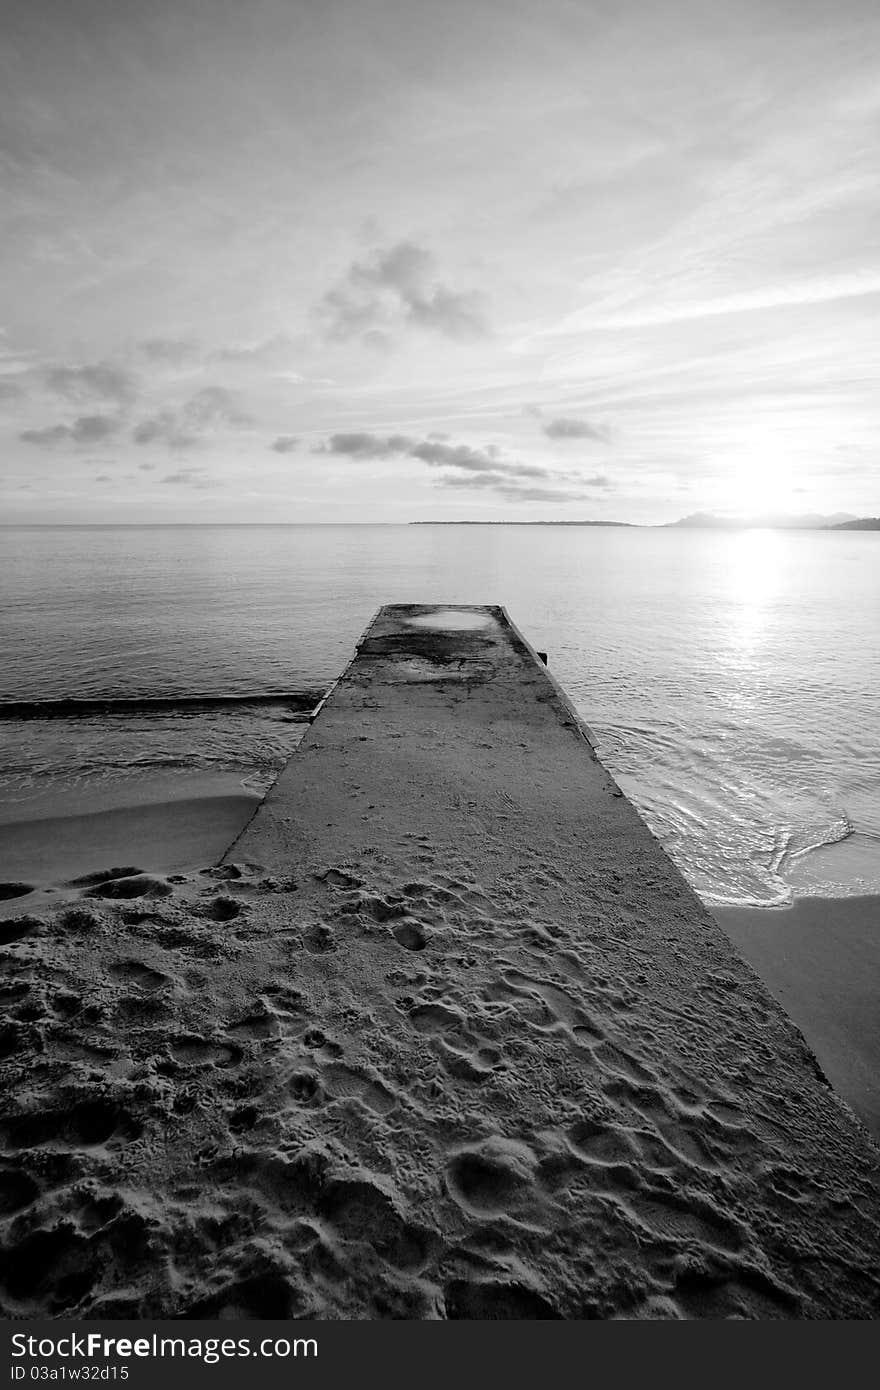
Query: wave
{"points": [[301, 702], [782, 900], [839, 830]]}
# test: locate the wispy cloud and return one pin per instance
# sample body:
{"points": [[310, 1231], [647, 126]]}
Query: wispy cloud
{"points": [[87, 429], [658, 220], [209, 410], [195, 477], [514, 492], [395, 289], [824, 290], [565, 427], [465, 465], [98, 380], [164, 427]]}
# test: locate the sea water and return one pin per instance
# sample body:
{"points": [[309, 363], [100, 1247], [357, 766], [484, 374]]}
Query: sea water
{"points": [[731, 680]]}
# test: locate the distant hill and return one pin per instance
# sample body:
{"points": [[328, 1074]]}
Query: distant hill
{"points": [[810, 522], [860, 523], [523, 523]]}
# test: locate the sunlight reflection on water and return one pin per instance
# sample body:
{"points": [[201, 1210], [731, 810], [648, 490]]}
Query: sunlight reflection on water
{"points": [[731, 679]]}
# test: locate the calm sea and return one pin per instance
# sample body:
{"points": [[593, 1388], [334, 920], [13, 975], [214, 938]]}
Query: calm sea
{"points": [[732, 680]]}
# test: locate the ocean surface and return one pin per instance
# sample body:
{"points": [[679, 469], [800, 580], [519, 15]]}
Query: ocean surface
{"points": [[732, 680]]}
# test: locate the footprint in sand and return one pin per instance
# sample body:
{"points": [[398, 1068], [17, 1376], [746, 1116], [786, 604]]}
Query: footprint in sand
{"points": [[142, 1011], [602, 1143], [257, 1027], [223, 909], [316, 1040], [86, 1123], [15, 890], [338, 878], [137, 886], [18, 929], [17, 1191], [362, 1211], [243, 1118], [79, 919], [434, 1018], [319, 939], [683, 1218], [496, 1300], [464, 1054], [556, 1006], [12, 1040], [306, 1089], [492, 1176], [345, 1083], [194, 1051], [144, 977], [104, 876], [409, 934]]}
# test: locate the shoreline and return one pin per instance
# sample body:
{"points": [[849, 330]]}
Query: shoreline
{"points": [[819, 956], [820, 959], [445, 1034], [162, 836]]}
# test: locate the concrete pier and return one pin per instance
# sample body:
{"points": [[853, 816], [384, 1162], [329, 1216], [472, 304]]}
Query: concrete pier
{"points": [[573, 1098]]}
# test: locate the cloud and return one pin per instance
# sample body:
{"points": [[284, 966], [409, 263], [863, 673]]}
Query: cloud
{"points": [[285, 443], [100, 380], [210, 409], [433, 452], [395, 289], [215, 406], [87, 429], [467, 467], [564, 428], [103, 478], [461, 456], [464, 466], [45, 438], [514, 492], [164, 428], [10, 391], [189, 477], [369, 446]]}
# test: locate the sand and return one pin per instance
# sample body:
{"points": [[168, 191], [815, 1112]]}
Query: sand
{"points": [[445, 1035], [169, 835], [821, 959]]}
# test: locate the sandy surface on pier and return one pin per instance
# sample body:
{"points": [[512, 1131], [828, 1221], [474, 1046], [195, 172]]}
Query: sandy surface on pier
{"points": [[444, 1036]]}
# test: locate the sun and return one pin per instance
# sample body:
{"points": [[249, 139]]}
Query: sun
{"points": [[762, 482]]}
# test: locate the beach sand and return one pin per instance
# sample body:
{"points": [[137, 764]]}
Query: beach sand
{"points": [[168, 836], [443, 1035], [821, 959]]}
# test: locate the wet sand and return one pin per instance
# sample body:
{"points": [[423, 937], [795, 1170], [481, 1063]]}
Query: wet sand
{"points": [[821, 960], [165, 836], [444, 1035]]}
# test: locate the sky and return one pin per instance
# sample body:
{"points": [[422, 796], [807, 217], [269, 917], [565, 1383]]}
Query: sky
{"points": [[392, 260]]}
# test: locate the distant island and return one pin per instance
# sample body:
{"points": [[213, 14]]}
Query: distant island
{"points": [[706, 521], [812, 521]]}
